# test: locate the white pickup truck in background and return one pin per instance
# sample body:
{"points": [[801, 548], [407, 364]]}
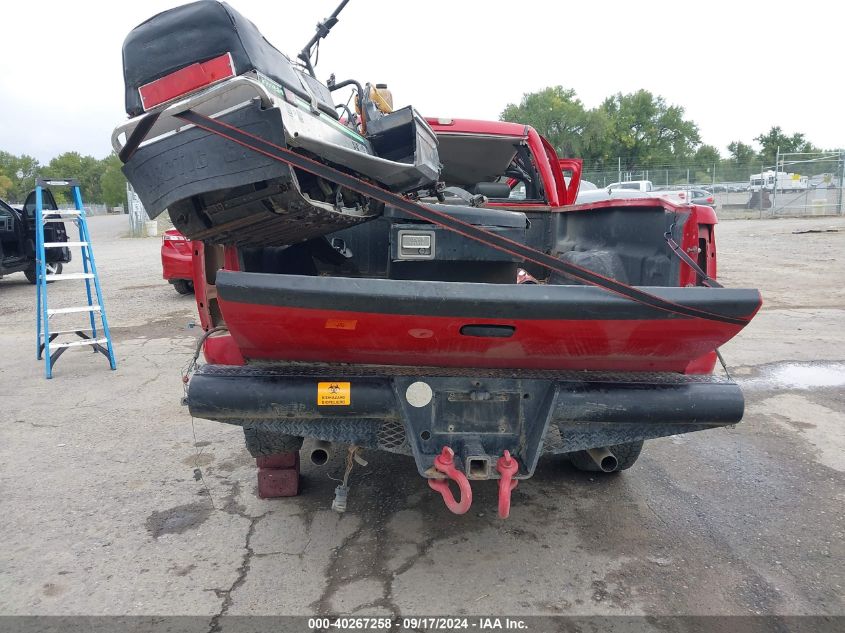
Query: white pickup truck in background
{"points": [[632, 189]]}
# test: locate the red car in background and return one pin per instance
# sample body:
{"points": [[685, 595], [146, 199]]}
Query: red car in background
{"points": [[176, 264]]}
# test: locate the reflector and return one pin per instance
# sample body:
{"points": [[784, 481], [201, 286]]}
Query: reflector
{"points": [[186, 80]]}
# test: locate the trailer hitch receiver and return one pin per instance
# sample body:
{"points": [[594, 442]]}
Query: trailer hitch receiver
{"points": [[445, 463], [507, 467]]}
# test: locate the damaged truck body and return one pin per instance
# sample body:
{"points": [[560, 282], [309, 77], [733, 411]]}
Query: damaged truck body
{"points": [[370, 277]]}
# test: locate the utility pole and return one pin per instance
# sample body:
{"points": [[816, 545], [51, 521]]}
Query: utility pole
{"points": [[619, 168]]}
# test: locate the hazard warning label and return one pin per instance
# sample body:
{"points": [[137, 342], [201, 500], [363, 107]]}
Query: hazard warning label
{"points": [[333, 393]]}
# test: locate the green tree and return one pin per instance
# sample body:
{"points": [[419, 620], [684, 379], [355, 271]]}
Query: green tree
{"points": [[776, 139], [641, 128], [21, 170], [112, 182], [645, 130], [6, 185], [741, 153], [742, 162], [594, 140], [556, 113], [706, 160], [86, 169]]}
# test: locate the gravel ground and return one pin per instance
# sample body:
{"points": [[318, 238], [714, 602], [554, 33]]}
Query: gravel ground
{"points": [[102, 513]]}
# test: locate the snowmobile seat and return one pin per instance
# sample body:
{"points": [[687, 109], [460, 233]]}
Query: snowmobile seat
{"points": [[205, 30]]}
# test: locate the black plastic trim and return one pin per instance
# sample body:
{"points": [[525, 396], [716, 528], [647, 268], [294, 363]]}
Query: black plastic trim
{"points": [[488, 301]]}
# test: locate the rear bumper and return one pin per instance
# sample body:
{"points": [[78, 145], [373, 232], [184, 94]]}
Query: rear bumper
{"points": [[479, 413]]}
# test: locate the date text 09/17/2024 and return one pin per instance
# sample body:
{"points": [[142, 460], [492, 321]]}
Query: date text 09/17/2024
{"points": [[418, 623]]}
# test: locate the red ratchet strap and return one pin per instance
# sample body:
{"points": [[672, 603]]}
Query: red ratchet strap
{"points": [[706, 279], [448, 222]]}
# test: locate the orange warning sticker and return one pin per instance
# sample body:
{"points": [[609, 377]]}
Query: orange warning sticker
{"points": [[341, 324], [333, 393]]}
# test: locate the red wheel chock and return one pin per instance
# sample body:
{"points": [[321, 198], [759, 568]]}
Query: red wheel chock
{"points": [[445, 463], [507, 467]]}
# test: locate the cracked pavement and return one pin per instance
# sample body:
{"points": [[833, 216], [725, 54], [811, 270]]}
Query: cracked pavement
{"points": [[115, 502]]}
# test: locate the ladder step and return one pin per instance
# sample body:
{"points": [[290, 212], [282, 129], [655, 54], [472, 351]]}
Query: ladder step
{"points": [[52, 311], [90, 341], [69, 276], [63, 244], [68, 213], [46, 220]]}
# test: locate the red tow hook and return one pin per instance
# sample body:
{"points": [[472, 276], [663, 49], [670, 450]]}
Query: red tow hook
{"points": [[445, 463], [507, 467]]}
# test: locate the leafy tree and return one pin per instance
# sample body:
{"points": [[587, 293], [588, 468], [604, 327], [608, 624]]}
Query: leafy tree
{"points": [[556, 113], [641, 128], [741, 153], [706, 160], [112, 182], [101, 180], [645, 131], [776, 139], [706, 156], [597, 130], [6, 185], [21, 170], [86, 169]]}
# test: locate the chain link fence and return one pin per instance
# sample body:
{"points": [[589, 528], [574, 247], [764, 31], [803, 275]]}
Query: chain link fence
{"points": [[807, 184]]}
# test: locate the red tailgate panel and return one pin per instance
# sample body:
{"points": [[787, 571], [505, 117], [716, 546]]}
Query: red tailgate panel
{"points": [[265, 332]]}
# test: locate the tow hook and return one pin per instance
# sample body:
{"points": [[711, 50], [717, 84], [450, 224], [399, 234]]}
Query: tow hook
{"points": [[445, 463], [507, 467]]}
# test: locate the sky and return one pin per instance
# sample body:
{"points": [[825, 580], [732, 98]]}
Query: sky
{"points": [[737, 67]]}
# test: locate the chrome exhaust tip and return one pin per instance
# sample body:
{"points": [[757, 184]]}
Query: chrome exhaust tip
{"points": [[604, 459]]}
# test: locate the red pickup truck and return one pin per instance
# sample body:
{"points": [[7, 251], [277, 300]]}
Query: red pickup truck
{"points": [[355, 355], [428, 287]]}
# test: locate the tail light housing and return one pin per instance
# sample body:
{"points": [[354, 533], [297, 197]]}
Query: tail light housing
{"points": [[185, 80], [168, 237]]}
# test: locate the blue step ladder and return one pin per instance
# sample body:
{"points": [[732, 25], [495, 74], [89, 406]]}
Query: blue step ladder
{"points": [[50, 346]]}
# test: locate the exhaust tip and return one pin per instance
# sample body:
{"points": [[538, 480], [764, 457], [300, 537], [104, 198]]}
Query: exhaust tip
{"points": [[608, 464], [321, 453], [319, 456], [604, 459]]}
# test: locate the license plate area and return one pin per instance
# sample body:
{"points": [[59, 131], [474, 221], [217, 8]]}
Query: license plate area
{"points": [[478, 419], [477, 412]]}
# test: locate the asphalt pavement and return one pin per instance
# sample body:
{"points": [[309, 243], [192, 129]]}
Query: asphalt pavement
{"points": [[114, 501]]}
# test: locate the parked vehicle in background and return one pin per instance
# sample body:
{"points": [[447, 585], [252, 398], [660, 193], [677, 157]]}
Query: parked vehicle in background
{"points": [[176, 261], [701, 196], [17, 238], [785, 181], [632, 185], [626, 188], [824, 181]]}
